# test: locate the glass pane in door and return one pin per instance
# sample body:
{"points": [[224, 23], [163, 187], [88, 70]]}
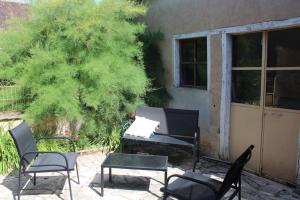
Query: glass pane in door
{"points": [[284, 48], [283, 89], [246, 87], [247, 50]]}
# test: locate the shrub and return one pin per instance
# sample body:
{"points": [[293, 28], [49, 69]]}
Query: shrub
{"points": [[157, 95], [53, 145], [79, 60]]}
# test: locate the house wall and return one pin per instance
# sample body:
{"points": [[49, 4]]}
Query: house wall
{"points": [[175, 17]]}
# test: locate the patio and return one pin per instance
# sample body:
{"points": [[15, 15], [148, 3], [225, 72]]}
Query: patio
{"points": [[133, 184]]}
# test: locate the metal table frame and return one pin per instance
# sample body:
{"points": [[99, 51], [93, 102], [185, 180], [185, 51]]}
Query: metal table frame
{"points": [[103, 165]]}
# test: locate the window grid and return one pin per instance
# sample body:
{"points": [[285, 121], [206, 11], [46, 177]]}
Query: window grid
{"points": [[195, 61]]}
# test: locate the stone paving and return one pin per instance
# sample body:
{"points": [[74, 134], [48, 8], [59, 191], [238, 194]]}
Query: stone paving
{"points": [[131, 184]]}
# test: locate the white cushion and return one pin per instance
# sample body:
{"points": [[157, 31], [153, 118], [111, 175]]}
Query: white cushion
{"points": [[142, 127]]}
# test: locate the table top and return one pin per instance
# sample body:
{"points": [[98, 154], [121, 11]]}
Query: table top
{"points": [[136, 161]]}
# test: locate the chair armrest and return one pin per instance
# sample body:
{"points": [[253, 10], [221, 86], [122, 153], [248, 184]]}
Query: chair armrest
{"points": [[44, 152], [58, 138], [208, 185]]}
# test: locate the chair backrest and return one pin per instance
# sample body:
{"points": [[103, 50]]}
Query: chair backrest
{"points": [[234, 173], [24, 141], [175, 122]]}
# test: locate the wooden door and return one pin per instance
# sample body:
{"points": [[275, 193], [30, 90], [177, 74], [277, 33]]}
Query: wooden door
{"points": [[281, 122], [281, 130], [265, 108], [246, 123], [246, 93]]}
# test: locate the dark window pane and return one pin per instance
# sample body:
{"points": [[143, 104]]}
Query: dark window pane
{"points": [[201, 54], [283, 89], [284, 48], [187, 78], [187, 51], [246, 87], [194, 62], [247, 50], [201, 75]]}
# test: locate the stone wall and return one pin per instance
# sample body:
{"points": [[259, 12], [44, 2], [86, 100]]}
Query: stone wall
{"points": [[174, 17], [9, 9]]}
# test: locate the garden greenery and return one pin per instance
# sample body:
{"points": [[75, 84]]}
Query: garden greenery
{"points": [[157, 95], [79, 60], [9, 158]]}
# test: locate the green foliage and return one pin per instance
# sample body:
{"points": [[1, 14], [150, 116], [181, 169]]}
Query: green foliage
{"points": [[113, 139], [158, 95], [12, 97], [53, 145], [9, 158], [79, 60]]}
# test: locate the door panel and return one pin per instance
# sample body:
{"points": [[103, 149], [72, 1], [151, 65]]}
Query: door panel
{"points": [[245, 129], [280, 142], [265, 109]]}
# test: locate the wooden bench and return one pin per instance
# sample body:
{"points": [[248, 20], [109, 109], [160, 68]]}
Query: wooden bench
{"points": [[177, 127]]}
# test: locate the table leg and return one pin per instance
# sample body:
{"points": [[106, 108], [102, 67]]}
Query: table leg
{"points": [[166, 177], [102, 182], [110, 175]]}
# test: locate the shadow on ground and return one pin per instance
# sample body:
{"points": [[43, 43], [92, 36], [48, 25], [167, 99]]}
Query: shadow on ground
{"points": [[51, 185], [124, 182]]}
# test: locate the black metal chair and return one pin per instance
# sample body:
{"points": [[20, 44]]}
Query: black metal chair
{"points": [[194, 186], [33, 161]]}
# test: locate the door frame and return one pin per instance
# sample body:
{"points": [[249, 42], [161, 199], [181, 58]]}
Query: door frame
{"points": [[227, 68], [226, 78]]}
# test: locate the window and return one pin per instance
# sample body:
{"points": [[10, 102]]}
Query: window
{"points": [[193, 63]]}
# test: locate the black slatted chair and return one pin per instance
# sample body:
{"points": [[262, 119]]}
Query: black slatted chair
{"points": [[194, 186], [33, 161]]}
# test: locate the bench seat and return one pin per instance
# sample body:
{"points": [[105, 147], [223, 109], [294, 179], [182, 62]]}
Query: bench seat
{"points": [[176, 127]]}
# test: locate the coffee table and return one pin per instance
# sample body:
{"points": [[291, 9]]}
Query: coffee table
{"points": [[133, 161]]}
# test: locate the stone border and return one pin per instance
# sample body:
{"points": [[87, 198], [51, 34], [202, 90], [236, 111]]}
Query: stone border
{"points": [[7, 116], [103, 150]]}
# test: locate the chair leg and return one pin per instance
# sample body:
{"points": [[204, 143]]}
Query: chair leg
{"points": [[70, 185], [34, 179], [194, 166], [19, 185], [165, 196], [77, 174], [122, 145], [196, 157], [240, 189]]}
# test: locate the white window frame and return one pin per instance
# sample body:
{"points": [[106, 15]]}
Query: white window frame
{"points": [[176, 58]]}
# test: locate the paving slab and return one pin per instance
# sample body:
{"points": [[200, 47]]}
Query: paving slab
{"points": [[131, 184]]}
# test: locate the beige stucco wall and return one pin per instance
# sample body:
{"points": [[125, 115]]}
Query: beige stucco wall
{"points": [[173, 17]]}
